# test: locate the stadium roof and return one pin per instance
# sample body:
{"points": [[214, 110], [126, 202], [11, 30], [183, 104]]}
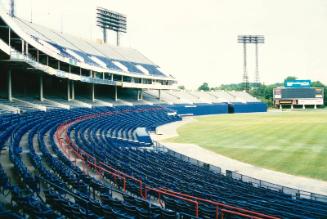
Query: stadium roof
{"points": [[85, 53], [75, 43]]}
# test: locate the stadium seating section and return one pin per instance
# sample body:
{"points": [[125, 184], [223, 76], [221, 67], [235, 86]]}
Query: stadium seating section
{"points": [[184, 102], [89, 163]]}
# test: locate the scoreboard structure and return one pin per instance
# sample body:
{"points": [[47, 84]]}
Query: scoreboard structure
{"points": [[298, 93]]}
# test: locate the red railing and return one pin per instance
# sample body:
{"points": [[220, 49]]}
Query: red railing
{"points": [[103, 167], [127, 176], [250, 214], [76, 151], [237, 213], [160, 192]]}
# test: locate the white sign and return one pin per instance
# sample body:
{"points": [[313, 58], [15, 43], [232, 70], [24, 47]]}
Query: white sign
{"points": [[310, 101], [278, 96]]}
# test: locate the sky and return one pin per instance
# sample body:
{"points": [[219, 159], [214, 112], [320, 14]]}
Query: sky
{"points": [[196, 40]]}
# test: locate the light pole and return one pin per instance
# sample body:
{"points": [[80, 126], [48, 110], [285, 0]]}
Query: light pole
{"points": [[250, 39]]}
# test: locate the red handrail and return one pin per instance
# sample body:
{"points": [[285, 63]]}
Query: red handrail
{"points": [[140, 182], [196, 204], [76, 150], [237, 213], [107, 171], [218, 204], [116, 173]]}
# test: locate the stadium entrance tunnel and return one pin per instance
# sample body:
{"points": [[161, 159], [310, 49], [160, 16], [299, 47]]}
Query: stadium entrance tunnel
{"points": [[125, 181]]}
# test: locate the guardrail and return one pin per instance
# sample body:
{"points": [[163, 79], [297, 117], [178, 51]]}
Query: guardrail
{"points": [[295, 193]]}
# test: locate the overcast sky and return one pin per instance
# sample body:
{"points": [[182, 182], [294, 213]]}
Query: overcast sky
{"points": [[195, 40]]}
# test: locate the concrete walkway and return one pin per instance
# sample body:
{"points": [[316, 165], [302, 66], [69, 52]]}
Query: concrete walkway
{"points": [[225, 163]]}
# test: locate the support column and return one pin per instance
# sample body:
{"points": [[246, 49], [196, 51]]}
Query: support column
{"points": [[245, 74], [292, 106], [38, 56], [104, 35], [116, 93], [303, 106], [73, 90], [159, 91], [26, 48], [9, 37], [23, 46], [138, 95], [315, 106], [9, 86], [92, 93], [141, 94], [280, 107], [257, 78], [68, 90], [41, 88], [118, 38]]}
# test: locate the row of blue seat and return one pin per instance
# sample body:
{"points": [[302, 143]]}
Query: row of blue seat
{"points": [[110, 137], [184, 177], [66, 176]]}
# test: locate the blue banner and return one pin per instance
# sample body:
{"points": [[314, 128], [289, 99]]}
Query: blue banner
{"points": [[298, 83]]}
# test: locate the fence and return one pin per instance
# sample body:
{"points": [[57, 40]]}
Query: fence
{"points": [[160, 147]]}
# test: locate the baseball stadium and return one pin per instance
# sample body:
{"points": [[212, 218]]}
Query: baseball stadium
{"points": [[91, 129]]}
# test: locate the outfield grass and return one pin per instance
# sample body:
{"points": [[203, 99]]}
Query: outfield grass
{"points": [[291, 142]]}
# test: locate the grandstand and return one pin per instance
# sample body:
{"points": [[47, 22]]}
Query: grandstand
{"points": [[75, 118]]}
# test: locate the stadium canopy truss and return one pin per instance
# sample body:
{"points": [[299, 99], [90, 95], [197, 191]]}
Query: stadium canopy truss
{"points": [[25, 45]]}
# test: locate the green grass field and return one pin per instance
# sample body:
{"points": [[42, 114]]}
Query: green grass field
{"points": [[291, 142]]}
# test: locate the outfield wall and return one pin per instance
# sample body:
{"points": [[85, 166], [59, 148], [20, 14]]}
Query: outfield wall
{"points": [[249, 107], [218, 108], [200, 109]]}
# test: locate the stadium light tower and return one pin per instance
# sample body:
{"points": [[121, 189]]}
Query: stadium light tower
{"points": [[111, 20], [250, 39]]}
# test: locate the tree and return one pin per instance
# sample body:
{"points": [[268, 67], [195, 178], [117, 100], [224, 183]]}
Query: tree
{"points": [[317, 84], [264, 92], [204, 87], [236, 87], [290, 78], [181, 87], [320, 85]]}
